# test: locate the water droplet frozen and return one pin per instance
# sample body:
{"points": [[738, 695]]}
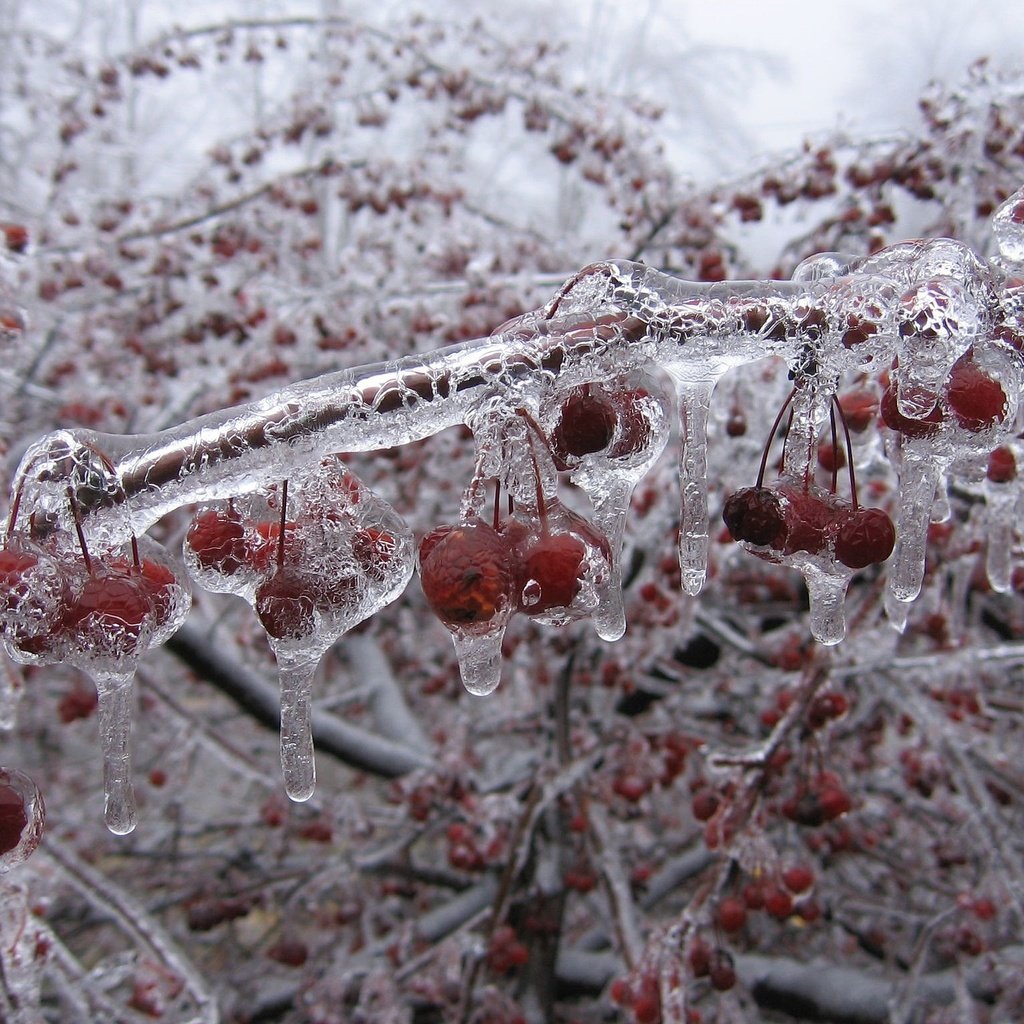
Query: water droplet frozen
{"points": [[1008, 228], [116, 695], [479, 660], [1000, 534], [896, 611]]}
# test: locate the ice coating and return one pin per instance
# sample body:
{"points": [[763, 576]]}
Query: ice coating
{"points": [[297, 762], [940, 327], [23, 818]]}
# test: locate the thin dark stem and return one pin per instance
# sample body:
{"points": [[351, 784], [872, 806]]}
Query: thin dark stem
{"points": [[849, 450], [284, 513], [771, 437], [81, 533], [835, 444]]}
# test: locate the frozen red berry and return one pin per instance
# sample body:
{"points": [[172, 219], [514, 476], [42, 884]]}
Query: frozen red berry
{"points": [[217, 540], [550, 573], [732, 914], [111, 603], [906, 425], [467, 574], [858, 409], [285, 606], [755, 515], [866, 537], [13, 817], [798, 878], [585, 425], [976, 400], [810, 522]]}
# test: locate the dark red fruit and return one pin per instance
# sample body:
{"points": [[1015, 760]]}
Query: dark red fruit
{"points": [[550, 573], [14, 567], [866, 537], [778, 902], [634, 428], [859, 409], [217, 538], [261, 551], [158, 584], [15, 237], [809, 522], [895, 420], [798, 878], [976, 399], [1002, 465], [732, 914], [285, 605], [754, 515], [704, 805], [586, 425], [373, 549], [467, 574], [13, 818], [722, 971], [112, 602]]}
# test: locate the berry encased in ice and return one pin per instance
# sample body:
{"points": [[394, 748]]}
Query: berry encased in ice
{"points": [[865, 538], [754, 515]]}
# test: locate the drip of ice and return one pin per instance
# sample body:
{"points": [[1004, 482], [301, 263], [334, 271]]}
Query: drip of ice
{"points": [[896, 611], [297, 762], [479, 659], [694, 403], [610, 511], [1000, 519], [827, 594], [116, 693], [919, 478], [811, 404]]}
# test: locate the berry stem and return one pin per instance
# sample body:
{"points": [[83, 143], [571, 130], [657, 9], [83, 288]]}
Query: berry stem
{"points": [[835, 445], [838, 407], [771, 437], [497, 500], [13, 514], [284, 513], [136, 561], [541, 500], [78, 529]]}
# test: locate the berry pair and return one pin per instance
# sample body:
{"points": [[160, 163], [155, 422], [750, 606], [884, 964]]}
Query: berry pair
{"points": [[475, 576]]}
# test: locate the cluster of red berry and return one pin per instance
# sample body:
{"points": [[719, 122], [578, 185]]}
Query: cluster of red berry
{"points": [[309, 570], [56, 607]]}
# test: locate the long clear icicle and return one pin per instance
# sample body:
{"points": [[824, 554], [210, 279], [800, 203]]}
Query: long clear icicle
{"points": [[919, 478], [480, 660], [297, 759], [610, 510], [116, 693], [694, 403]]}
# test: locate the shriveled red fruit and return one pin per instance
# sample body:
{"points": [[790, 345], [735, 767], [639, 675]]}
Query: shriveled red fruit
{"points": [[909, 427], [976, 400], [810, 520], [373, 549], [467, 574], [867, 536], [585, 425], [754, 515], [15, 566], [550, 573], [159, 583], [262, 550], [13, 818], [110, 602], [217, 539], [285, 605], [1002, 465]]}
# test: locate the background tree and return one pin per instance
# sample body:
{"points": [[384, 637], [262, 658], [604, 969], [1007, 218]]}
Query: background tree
{"points": [[619, 830]]}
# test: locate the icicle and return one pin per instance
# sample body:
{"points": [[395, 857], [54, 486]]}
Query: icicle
{"points": [[480, 660], [116, 694], [610, 512], [896, 611], [827, 593], [1001, 504], [694, 403], [297, 761], [919, 478]]}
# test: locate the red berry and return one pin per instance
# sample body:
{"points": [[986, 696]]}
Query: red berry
{"points": [[1002, 465], [13, 817], [859, 409], [550, 573], [798, 878], [586, 425], [111, 609], [809, 522], [866, 536], [15, 237], [754, 515], [722, 971], [824, 708], [217, 539], [634, 428], [732, 914], [467, 574], [373, 549], [285, 605], [778, 902], [290, 952], [704, 804], [976, 399], [158, 584], [831, 458], [909, 427], [699, 958], [834, 802]]}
